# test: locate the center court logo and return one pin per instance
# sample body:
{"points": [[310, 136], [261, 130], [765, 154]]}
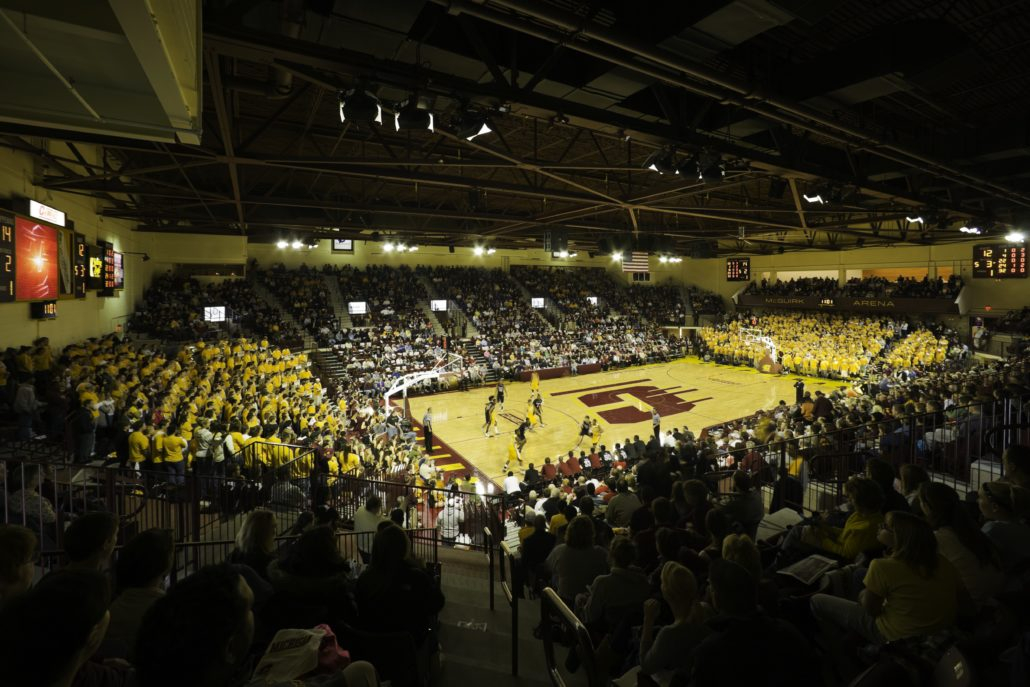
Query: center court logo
{"points": [[667, 401]]}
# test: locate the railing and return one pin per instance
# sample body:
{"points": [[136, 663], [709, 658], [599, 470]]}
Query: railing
{"points": [[488, 537], [557, 623], [510, 587]]}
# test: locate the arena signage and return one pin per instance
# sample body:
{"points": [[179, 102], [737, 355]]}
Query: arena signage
{"points": [[903, 305]]}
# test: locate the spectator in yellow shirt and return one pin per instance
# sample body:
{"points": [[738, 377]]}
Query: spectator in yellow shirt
{"points": [[176, 456]]}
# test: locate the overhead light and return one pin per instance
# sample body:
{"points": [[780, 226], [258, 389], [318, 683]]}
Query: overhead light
{"points": [[817, 198], [661, 161], [689, 167], [491, 251], [412, 249], [710, 168], [670, 258], [915, 220], [484, 128], [360, 106], [478, 250], [563, 254], [664, 258], [297, 244], [1015, 237], [971, 230], [616, 257], [410, 116], [573, 254], [401, 248], [282, 244], [388, 247]]}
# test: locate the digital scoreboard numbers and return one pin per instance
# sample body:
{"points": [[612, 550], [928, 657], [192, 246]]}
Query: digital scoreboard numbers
{"points": [[80, 266], [7, 261], [738, 269], [999, 261]]}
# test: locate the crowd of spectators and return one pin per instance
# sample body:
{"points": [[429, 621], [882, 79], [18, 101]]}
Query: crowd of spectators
{"points": [[173, 309], [395, 298], [860, 287], [570, 289], [304, 294], [661, 304], [706, 302], [827, 345], [1014, 321]]}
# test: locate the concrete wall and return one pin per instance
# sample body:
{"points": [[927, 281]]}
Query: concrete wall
{"points": [[76, 319]]}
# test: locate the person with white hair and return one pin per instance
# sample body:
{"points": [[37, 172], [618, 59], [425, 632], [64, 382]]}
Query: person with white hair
{"points": [[450, 519]]}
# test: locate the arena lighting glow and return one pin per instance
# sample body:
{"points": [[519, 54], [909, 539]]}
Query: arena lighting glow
{"points": [[1015, 237], [484, 129], [670, 258], [813, 199], [661, 161], [915, 220], [971, 230], [491, 251], [563, 254], [388, 247], [616, 257], [282, 244], [478, 250], [297, 244]]}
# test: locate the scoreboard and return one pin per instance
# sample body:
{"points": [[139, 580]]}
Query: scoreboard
{"points": [[738, 269], [7, 261], [43, 258], [999, 261]]}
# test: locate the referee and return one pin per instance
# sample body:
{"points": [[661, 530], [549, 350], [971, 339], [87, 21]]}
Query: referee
{"points": [[427, 430], [656, 423]]}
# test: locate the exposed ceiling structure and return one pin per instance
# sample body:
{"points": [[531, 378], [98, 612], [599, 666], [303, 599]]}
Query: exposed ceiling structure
{"points": [[888, 110]]}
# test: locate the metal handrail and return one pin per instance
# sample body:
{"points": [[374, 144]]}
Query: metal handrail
{"points": [[512, 596], [553, 610], [488, 539]]}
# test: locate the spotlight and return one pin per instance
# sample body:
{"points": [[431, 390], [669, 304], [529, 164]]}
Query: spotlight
{"points": [[412, 249], [297, 244], [661, 161], [282, 244], [616, 257], [710, 168], [971, 229], [401, 248], [817, 198], [410, 117], [388, 247], [1015, 237], [664, 258], [689, 167], [563, 254], [573, 254], [360, 106], [916, 220], [491, 251], [478, 250]]}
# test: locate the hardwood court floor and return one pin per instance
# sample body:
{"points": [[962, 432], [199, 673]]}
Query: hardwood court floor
{"points": [[687, 392]]}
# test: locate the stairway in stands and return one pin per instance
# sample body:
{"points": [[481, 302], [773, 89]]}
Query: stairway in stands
{"points": [[688, 304], [264, 294], [336, 298], [474, 656], [434, 294], [433, 319], [331, 365], [489, 374], [529, 296]]}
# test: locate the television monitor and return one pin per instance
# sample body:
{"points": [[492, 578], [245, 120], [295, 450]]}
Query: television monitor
{"points": [[343, 245], [592, 300], [214, 313], [438, 305], [537, 302], [357, 308]]}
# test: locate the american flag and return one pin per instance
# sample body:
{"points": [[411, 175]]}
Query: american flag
{"points": [[636, 262]]}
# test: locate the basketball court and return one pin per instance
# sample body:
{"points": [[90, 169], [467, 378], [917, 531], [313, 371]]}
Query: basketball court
{"points": [[687, 393]]}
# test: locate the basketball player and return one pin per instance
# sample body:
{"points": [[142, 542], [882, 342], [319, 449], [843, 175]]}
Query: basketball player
{"points": [[531, 414], [538, 407], [490, 417], [596, 430], [585, 429], [500, 394], [520, 435]]}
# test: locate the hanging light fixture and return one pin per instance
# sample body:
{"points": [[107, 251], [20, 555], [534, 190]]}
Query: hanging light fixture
{"points": [[360, 106], [410, 117]]}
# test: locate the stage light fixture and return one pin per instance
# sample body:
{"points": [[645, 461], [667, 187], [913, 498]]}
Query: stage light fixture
{"points": [[563, 254], [1015, 237], [297, 244], [412, 248], [710, 168], [360, 106], [409, 116], [918, 219], [388, 247], [471, 125], [662, 161], [282, 244], [817, 198], [616, 257], [478, 250]]}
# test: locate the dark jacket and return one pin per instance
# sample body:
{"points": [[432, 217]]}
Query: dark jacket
{"points": [[402, 600]]}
